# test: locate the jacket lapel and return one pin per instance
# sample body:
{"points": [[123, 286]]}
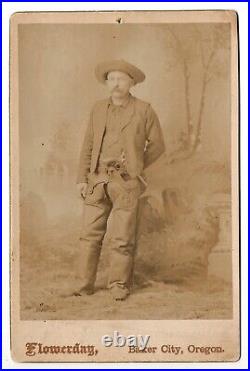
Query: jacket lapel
{"points": [[128, 114], [100, 121]]}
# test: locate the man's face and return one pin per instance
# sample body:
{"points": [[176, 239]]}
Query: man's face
{"points": [[119, 84]]}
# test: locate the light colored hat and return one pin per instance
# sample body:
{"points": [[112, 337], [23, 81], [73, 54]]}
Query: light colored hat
{"points": [[104, 68]]}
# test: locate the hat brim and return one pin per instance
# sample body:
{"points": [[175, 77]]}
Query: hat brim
{"points": [[104, 68]]}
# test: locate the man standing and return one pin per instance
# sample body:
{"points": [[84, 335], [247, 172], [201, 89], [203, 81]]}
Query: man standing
{"points": [[123, 137]]}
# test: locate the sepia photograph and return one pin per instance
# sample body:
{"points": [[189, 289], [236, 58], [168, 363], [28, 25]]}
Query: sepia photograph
{"points": [[124, 166]]}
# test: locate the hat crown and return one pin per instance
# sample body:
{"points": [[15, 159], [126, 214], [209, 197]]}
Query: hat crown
{"points": [[104, 68]]}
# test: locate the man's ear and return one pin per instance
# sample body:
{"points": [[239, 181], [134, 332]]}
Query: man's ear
{"points": [[132, 82]]}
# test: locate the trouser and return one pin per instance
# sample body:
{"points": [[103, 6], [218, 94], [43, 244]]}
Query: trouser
{"points": [[116, 203]]}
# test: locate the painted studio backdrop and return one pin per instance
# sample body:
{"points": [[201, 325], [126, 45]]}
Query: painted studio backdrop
{"points": [[183, 262]]}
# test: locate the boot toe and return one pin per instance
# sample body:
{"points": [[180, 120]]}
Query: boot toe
{"points": [[119, 293]]}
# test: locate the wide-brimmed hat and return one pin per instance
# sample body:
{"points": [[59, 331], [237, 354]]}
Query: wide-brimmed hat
{"points": [[104, 68]]}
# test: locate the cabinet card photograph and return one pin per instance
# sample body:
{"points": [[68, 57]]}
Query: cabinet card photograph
{"points": [[124, 186]]}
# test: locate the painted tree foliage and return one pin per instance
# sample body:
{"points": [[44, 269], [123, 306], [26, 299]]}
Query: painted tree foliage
{"points": [[200, 50]]}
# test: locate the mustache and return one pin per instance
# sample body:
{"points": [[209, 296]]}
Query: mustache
{"points": [[117, 90]]}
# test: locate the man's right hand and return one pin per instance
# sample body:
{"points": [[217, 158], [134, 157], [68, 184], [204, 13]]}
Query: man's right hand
{"points": [[82, 189]]}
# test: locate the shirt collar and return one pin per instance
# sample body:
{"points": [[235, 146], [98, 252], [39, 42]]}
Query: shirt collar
{"points": [[124, 104]]}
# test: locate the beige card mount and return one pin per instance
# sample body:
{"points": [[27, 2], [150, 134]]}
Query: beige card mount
{"points": [[155, 237]]}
